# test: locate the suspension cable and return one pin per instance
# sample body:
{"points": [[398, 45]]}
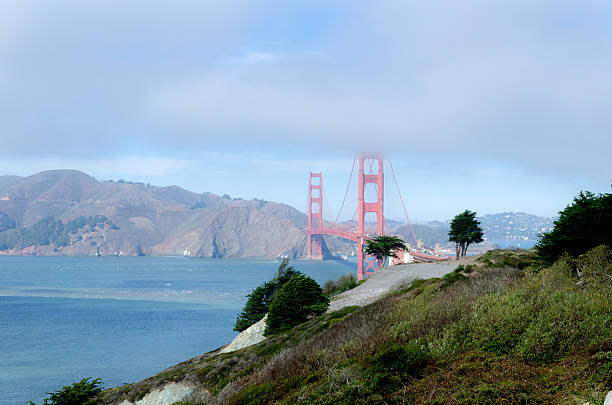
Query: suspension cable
{"points": [[324, 202], [402, 200], [347, 189], [386, 226]]}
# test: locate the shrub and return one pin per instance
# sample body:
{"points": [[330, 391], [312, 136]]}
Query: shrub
{"points": [[409, 359], [84, 392], [344, 283], [602, 361], [452, 277], [569, 317], [297, 301], [517, 258], [498, 321], [595, 266]]}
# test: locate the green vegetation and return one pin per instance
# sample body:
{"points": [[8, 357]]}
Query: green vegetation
{"points": [[464, 230], [494, 334], [595, 266], [581, 226], [516, 258], [6, 222], [489, 333], [84, 392], [300, 299], [50, 230], [259, 300], [383, 247], [344, 283]]}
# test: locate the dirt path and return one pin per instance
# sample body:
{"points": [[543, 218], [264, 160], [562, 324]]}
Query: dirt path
{"points": [[376, 286], [388, 279]]}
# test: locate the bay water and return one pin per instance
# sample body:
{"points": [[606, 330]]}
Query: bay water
{"points": [[119, 318]]}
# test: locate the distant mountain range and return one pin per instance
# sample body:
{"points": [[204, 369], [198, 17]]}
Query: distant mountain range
{"points": [[67, 212], [507, 229], [140, 219]]}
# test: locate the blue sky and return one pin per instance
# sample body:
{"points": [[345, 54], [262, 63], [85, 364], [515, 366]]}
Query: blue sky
{"points": [[488, 106]]}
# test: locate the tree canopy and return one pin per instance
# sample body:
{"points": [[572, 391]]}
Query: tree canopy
{"points": [[84, 392], [464, 230], [6, 222], [49, 230], [581, 226], [384, 246], [297, 301], [259, 300]]}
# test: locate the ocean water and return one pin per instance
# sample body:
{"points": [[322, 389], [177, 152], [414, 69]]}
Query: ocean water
{"points": [[119, 318]]}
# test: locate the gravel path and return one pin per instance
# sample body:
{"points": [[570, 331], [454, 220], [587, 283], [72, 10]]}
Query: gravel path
{"points": [[389, 279], [377, 285]]}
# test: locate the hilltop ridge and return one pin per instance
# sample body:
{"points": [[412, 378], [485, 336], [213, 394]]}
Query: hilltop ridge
{"points": [[143, 219], [146, 219]]}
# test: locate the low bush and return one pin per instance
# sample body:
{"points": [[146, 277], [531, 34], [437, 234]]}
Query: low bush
{"points": [[568, 318], [602, 363], [517, 258], [344, 283], [595, 266], [497, 322], [408, 359], [452, 277]]}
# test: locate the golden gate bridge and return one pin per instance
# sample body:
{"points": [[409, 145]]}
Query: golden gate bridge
{"points": [[370, 200]]}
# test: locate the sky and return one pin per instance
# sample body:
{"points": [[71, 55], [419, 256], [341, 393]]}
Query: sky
{"points": [[480, 105]]}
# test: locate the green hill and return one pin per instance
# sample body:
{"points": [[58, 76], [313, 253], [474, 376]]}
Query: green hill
{"points": [[504, 331]]}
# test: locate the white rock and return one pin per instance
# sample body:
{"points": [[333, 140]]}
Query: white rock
{"points": [[608, 400], [169, 394], [248, 337]]}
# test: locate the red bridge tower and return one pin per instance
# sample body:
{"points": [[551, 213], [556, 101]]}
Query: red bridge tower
{"points": [[368, 264], [315, 216], [371, 185]]}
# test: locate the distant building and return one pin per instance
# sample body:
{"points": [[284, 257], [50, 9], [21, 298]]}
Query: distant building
{"points": [[403, 257]]}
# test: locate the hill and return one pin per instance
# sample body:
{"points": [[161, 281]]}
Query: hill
{"points": [[137, 218], [134, 218], [493, 332]]}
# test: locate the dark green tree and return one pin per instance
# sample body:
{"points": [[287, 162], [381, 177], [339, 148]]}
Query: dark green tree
{"points": [[384, 246], [464, 230], [259, 300], [296, 302], [581, 226], [84, 392]]}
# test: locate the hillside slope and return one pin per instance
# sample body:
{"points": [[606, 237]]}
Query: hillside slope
{"points": [[491, 333], [144, 219]]}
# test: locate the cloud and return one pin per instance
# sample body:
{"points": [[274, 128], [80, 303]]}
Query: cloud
{"points": [[254, 57], [513, 81], [102, 168]]}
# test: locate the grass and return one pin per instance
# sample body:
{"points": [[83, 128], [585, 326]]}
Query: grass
{"points": [[504, 331]]}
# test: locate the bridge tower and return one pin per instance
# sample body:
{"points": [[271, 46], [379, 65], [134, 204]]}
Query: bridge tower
{"points": [[315, 216], [375, 177]]}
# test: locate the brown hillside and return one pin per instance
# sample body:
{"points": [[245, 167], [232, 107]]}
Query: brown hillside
{"points": [[159, 220]]}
